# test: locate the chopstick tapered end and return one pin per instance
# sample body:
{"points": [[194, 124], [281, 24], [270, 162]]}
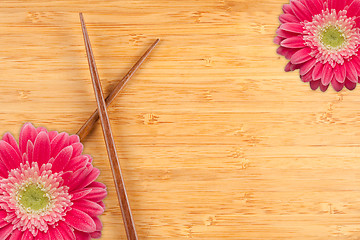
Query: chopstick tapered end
{"points": [[81, 19]]}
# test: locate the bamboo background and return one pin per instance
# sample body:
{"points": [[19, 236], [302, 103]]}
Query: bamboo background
{"points": [[216, 141]]}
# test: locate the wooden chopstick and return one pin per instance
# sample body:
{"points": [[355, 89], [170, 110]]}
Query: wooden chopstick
{"points": [[89, 124], [109, 140]]}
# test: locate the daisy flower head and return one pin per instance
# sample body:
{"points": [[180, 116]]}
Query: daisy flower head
{"points": [[321, 38], [48, 188]]}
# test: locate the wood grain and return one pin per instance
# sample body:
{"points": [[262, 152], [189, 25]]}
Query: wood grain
{"points": [[215, 140], [89, 125]]}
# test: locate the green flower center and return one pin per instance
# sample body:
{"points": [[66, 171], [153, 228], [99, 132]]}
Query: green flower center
{"points": [[332, 37], [32, 197]]}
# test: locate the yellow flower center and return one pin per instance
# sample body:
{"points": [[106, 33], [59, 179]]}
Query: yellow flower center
{"points": [[332, 37], [33, 198]]}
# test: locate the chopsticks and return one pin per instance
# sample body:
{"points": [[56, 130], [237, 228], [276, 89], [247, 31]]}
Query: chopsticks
{"points": [[89, 124], [109, 140]]}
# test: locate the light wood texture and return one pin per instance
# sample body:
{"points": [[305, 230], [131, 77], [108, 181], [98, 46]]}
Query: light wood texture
{"points": [[215, 140], [89, 125]]}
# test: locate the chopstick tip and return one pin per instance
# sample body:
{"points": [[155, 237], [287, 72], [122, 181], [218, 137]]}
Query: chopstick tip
{"points": [[81, 17]]}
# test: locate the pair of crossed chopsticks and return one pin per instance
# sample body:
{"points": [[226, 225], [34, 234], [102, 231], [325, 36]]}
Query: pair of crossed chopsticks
{"points": [[101, 112]]}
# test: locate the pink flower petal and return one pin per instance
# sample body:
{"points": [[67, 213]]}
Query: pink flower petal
{"points": [[9, 156], [327, 74], [350, 85], [89, 207], [294, 67], [82, 236], [74, 139], [98, 223], [288, 67], [58, 143], [79, 194], [30, 151], [76, 178], [301, 12], [97, 184], [351, 71], [3, 170], [97, 194], [67, 177], [101, 203], [80, 221], [337, 4], [323, 88], [66, 231], [6, 231], [89, 158], [340, 73], [41, 129], [307, 77], [3, 223], [25, 158], [314, 84], [287, 9], [89, 178], [277, 40], [27, 235], [11, 140], [78, 148], [314, 6], [43, 235], [292, 27], [62, 159], [301, 56], [317, 72], [285, 34], [336, 85], [42, 149], [293, 42], [356, 62], [284, 18], [3, 214], [28, 132], [287, 52], [15, 235], [77, 163], [306, 67], [96, 234], [353, 9], [356, 70], [55, 234], [52, 135]]}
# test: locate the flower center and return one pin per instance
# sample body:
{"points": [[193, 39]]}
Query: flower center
{"points": [[34, 198], [332, 37]]}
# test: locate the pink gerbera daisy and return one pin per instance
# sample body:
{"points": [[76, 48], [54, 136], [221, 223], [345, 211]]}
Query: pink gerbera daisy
{"points": [[321, 38], [47, 187]]}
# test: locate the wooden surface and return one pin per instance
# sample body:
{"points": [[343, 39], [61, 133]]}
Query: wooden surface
{"points": [[215, 140]]}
